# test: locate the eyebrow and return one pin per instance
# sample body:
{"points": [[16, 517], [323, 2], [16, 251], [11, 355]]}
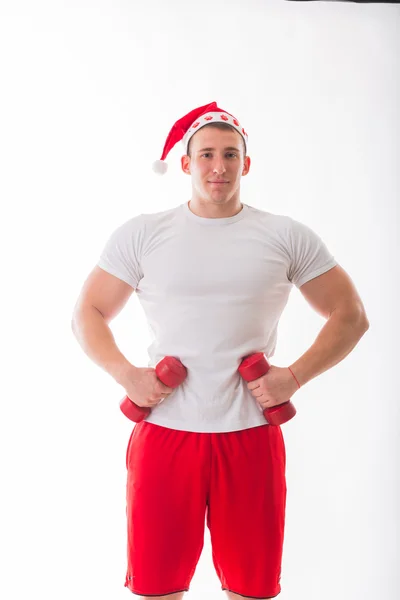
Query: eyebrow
{"points": [[210, 149]]}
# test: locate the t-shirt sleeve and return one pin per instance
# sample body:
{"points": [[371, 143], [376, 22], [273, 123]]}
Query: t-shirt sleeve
{"points": [[309, 255], [122, 252]]}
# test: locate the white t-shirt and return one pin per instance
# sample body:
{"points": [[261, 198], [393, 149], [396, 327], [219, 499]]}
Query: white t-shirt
{"points": [[213, 291]]}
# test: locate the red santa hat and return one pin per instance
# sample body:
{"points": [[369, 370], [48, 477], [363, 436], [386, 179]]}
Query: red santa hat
{"points": [[192, 122]]}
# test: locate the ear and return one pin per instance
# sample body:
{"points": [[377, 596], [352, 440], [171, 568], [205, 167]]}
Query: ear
{"points": [[185, 163], [246, 167]]}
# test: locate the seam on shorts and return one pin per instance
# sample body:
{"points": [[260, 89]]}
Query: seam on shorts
{"points": [[162, 594], [260, 597]]}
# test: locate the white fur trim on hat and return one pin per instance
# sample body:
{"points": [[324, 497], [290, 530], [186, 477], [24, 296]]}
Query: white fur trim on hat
{"points": [[213, 117]]}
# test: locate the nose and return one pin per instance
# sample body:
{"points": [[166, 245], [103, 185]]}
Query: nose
{"points": [[219, 167]]}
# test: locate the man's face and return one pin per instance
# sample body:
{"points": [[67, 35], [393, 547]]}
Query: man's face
{"points": [[217, 155]]}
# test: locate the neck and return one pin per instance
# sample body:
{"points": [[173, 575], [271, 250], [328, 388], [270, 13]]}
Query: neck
{"points": [[215, 210]]}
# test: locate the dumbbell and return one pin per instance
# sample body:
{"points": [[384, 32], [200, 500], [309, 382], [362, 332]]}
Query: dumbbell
{"points": [[254, 366], [171, 372]]}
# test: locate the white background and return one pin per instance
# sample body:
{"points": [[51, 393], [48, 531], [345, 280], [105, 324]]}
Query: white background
{"points": [[89, 92]]}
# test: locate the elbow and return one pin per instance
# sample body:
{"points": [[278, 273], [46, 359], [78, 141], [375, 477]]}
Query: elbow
{"points": [[363, 319], [356, 318], [362, 323], [75, 319], [73, 324]]}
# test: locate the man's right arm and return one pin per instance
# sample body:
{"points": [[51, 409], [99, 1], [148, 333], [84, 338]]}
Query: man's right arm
{"points": [[101, 299]]}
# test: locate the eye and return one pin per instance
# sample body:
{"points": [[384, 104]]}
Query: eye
{"points": [[231, 153]]}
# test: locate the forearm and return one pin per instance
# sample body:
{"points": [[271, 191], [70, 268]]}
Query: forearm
{"points": [[97, 341], [337, 338]]}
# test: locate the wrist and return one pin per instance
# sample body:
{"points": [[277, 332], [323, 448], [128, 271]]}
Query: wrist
{"points": [[123, 372], [293, 375]]}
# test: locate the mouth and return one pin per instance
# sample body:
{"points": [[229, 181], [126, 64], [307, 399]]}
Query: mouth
{"points": [[218, 182]]}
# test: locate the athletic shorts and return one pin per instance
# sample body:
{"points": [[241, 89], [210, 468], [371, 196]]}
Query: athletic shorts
{"points": [[179, 480]]}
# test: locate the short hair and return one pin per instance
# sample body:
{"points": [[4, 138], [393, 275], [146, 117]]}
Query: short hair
{"points": [[223, 126]]}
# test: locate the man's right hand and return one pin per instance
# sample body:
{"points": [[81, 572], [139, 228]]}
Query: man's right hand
{"points": [[143, 387]]}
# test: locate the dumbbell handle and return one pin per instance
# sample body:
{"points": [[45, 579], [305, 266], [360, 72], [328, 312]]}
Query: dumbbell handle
{"points": [[171, 372], [254, 366]]}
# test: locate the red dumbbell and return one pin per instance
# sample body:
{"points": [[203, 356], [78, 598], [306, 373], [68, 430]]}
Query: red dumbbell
{"points": [[171, 372], [255, 366]]}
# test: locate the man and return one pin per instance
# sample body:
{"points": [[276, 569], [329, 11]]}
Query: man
{"points": [[213, 276]]}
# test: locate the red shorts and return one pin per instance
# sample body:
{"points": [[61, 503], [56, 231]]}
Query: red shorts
{"points": [[178, 480]]}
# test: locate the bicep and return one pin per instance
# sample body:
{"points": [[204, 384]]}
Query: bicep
{"points": [[105, 292], [333, 290]]}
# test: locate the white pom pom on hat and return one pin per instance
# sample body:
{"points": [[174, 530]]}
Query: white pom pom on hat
{"points": [[160, 167], [192, 122]]}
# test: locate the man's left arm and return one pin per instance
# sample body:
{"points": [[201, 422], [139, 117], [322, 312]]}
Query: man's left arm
{"points": [[334, 296]]}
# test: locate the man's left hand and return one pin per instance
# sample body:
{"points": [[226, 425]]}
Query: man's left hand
{"points": [[275, 387]]}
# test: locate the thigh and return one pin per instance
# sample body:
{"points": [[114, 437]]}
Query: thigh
{"points": [[165, 507], [246, 513]]}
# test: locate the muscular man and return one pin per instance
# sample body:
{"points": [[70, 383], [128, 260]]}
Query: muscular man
{"points": [[213, 276]]}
